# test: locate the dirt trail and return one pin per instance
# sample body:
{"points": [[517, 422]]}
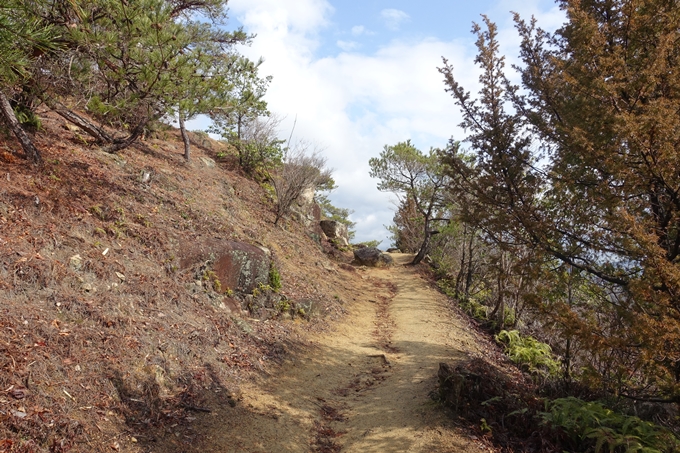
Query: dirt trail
{"points": [[362, 388]]}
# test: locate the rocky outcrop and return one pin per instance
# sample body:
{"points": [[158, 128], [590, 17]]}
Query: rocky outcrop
{"points": [[305, 210], [336, 232], [333, 228], [236, 266], [372, 257]]}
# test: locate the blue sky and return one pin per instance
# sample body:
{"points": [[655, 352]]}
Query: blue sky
{"points": [[359, 75]]}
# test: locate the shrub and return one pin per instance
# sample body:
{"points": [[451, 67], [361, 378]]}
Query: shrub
{"points": [[470, 305], [536, 356], [302, 169], [374, 243], [274, 279], [590, 424]]}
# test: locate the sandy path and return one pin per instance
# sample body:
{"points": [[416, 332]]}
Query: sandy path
{"points": [[363, 387]]}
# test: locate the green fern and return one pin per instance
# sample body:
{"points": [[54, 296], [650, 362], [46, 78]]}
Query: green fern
{"points": [[530, 352], [593, 424]]}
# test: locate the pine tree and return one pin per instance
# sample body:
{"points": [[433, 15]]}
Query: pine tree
{"points": [[22, 36], [137, 62], [406, 171]]}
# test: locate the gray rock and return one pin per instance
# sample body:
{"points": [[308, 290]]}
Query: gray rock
{"points": [[75, 262], [306, 197], [243, 325], [334, 229], [88, 288], [238, 266], [265, 250], [307, 308], [372, 257], [208, 162]]}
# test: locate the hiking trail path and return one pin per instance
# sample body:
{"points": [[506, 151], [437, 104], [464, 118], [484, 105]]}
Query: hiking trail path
{"points": [[362, 387]]}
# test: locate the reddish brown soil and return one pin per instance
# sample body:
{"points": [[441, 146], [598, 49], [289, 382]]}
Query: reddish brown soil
{"points": [[109, 351]]}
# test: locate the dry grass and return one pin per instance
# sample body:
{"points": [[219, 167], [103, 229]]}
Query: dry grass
{"points": [[105, 343]]}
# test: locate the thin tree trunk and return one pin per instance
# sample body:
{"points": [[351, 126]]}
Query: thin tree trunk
{"points": [[461, 269], [424, 247], [30, 150], [567, 354], [95, 131], [185, 138], [240, 146], [91, 129], [468, 277], [499, 310], [122, 143]]}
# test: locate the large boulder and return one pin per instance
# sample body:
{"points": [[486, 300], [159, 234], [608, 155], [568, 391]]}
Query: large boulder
{"points": [[371, 256], [305, 210], [334, 229], [238, 266]]}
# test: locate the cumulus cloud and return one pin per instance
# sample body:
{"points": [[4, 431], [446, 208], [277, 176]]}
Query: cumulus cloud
{"points": [[393, 18], [354, 103], [358, 30], [347, 45]]}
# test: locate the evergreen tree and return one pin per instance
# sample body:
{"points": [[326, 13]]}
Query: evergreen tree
{"points": [[136, 62], [240, 114], [407, 172], [22, 36], [584, 169]]}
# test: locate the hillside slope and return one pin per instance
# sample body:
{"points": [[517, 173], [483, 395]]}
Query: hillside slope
{"points": [[103, 331]]}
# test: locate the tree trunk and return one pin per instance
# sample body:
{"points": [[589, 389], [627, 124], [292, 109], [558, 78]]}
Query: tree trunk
{"points": [[95, 131], [460, 274], [91, 129], [185, 138], [122, 143], [468, 276], [499, 310], [240, 145], [425, 246], [30, 150]]}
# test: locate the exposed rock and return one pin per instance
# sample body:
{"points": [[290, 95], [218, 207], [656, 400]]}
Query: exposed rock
{"points": [[334, 229], [88, 288], [265, 250], [305, 210], [393, 250], [306, 197], [243, 325], [371, 256], [316, 212], [308, 308], [231, 305], [340, 242], [75, 262], [208, 162], [238, 266]]}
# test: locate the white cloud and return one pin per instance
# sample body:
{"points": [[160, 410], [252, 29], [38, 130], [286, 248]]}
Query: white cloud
{"points": [[348, 46], [358, 30], [393, 18], [353, 104]]}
